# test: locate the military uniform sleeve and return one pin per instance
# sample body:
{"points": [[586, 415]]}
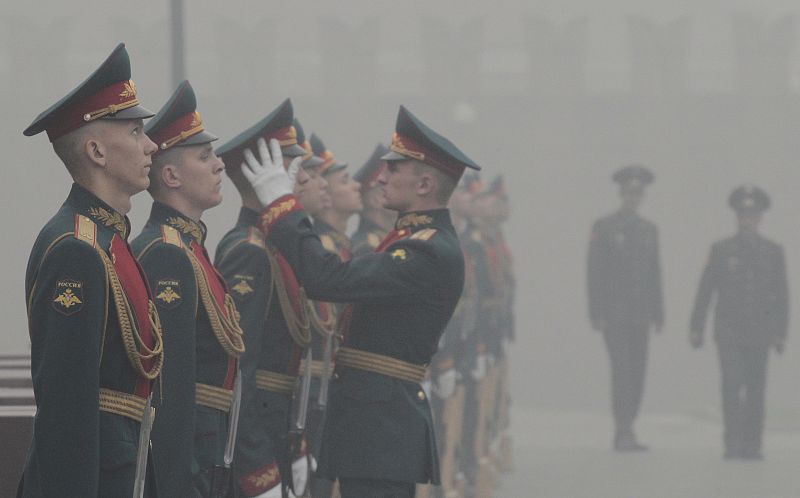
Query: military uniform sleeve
{"points": [[658, 294], [595, 277], [67, 323], [174, 287], [708, 284], [247, 272], [781, 297], [404, 271]]}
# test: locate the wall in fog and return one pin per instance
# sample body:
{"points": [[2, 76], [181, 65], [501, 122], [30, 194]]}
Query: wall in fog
{"points": [[554, 94]]}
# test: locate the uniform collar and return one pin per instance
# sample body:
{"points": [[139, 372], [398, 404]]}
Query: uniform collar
{"points": [[418, 220], [166, 215], [101, 213], [248, 217], [322, 228]]}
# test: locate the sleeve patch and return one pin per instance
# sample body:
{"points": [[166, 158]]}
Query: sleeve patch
{"points": [[241, 285], [168, 293], [68, 296]]}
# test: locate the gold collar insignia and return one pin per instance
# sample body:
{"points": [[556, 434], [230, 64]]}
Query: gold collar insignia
{"points": [[110, 219], [413, 220], [188, 227]]}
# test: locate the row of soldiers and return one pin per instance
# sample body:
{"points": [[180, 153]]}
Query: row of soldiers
{"points": [[297, 362]]}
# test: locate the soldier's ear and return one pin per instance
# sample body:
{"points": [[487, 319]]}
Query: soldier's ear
{"points": [[427, 184], [170, 176], [95, 151]]}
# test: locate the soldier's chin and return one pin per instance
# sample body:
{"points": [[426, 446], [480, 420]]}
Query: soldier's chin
{"points": [[390, 206]]}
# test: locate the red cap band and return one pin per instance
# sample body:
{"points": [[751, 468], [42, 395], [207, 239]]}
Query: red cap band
{"points": [[109, 100], [407, 147], [285, 136], [179, 130]]}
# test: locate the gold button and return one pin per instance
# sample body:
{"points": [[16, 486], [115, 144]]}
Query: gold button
{"points": [[421, 395]]}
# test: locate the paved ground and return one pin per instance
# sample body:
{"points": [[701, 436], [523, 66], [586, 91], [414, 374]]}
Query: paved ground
{"points": [[566, 455]]}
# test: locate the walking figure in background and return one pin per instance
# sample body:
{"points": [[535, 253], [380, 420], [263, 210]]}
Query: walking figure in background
{"points": [[748, 275], [625, 297]]}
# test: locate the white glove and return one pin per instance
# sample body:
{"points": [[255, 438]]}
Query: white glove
{"points": [[300, 474], [273, 492], [478, 372], [269, 179], [446, 383]]}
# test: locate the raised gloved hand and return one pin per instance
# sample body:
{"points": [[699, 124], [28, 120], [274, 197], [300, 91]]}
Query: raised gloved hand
{"points": [[446, 383], [266, 175], [478, 372]]}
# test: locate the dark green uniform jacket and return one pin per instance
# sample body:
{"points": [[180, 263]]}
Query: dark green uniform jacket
{"points": [[261, 450], [190, 431], [85, 379], [748, 276], [380, 427], [624, 276]]}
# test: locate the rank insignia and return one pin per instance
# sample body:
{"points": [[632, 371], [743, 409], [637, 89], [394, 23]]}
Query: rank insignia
{"points": [[68, 297], [400, 254], [168, 293], [242, 286]]}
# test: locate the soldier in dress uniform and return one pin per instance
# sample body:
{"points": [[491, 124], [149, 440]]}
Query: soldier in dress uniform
{"points": [[274, 318], [503, 275], [313, 193], [202, 335], [379, 438], [484, 344], [452, 363], [747, 273], [95, 335], [330, 224], [375, 221], [625, 298]]}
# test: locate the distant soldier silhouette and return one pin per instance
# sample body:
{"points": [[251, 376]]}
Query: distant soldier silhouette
{"points": [[747, 274], [625, 298]]}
